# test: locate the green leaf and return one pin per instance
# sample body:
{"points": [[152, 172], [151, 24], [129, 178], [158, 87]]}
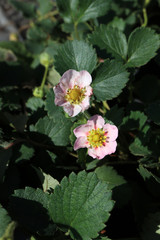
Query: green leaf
{"points": [[138, 149], [53, 77], [30, 206], [45, 6], [142, 46], [153, 112], [34, 103], [146, 174], [71, 56], [5, 220], [57, 131], [82, 10], [36, 34], [26, 152], [81, 205], [53, 111], [5, 156], [135, 120], [7, 55], [18, 48], [28, 10], [111, 39], [109, 175], [111, 77], [49, 182]]}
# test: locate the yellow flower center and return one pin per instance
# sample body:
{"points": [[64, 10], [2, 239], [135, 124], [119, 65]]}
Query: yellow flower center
{"points": [[96, 137], [75, 95]]}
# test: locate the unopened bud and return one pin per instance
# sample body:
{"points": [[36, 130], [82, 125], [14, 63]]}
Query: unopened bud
{"points": [[38, 92], [45, 59]]}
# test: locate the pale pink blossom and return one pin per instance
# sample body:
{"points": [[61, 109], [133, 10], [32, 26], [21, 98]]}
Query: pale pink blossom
{"points": [[98, 137], [73, 91]]}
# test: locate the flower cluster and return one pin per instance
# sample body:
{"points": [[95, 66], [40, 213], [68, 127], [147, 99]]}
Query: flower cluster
{"points": [[73, 94]]}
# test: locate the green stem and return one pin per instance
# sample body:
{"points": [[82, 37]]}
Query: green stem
{"points": [[105, 105], [145, 17], [76, 31], [44, 77]]}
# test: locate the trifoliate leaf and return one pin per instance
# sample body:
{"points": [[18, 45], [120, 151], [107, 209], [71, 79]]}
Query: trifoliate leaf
{"points": [[111, 39], [77, 55], [153, 112], [109, 175], [111, 77], [82, 10], [81, 205], [57, 131], [5, 220], [142, 46], [30, 206]]}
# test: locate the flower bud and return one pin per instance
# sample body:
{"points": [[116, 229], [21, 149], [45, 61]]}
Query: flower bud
{"points": [[45, 59], [38, 92]]}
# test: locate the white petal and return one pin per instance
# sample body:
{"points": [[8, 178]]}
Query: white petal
{"points": [[84, 80], [85, 103], [68, 79]]}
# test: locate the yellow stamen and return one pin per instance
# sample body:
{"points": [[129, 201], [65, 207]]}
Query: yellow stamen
{"points": [[75, 95], [96, 137]]}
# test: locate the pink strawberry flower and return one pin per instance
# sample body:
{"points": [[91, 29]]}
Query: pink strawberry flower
{"points": [[73, 92], [98, 137]]}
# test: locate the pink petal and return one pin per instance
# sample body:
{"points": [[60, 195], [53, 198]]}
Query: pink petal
{"points": [[58, 90], [110, 147], [80, 142], [84, 80], [72, 110], [82, 130], [98, 152], [97, 121], [112, 131], [85, 104], [89, 91], [68, 79]]}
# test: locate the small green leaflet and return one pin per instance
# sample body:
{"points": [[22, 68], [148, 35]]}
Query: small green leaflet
{"points": [[82, 10], [5, 220], [77, 55], [111, 39], [111, 77], [142, 46]]}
